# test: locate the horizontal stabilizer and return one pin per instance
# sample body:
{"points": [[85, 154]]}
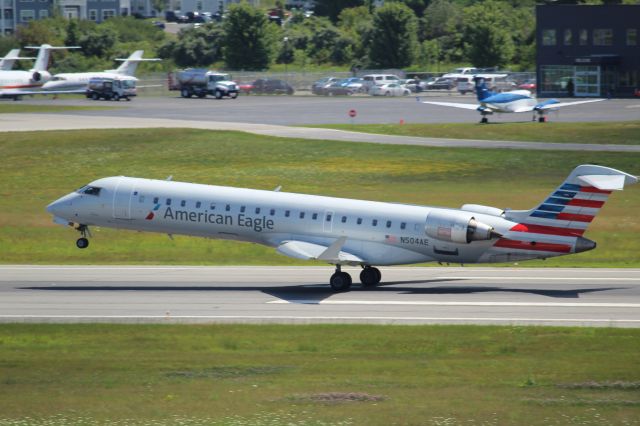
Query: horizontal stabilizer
{"points": [[311, 251], [604, 182]]}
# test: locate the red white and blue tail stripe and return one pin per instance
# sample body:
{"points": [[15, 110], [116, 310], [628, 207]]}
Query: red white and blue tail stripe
{"points": [[557, 225]]}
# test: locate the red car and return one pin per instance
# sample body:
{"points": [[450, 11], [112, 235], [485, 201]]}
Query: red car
{"points": [[528, 85]]}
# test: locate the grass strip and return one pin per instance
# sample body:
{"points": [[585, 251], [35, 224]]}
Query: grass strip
{"points": [[315, 374], [39, 167], [623, 133], [18, 107]]}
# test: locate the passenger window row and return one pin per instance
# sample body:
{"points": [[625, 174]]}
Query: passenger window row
{"points": [[272, 212]]}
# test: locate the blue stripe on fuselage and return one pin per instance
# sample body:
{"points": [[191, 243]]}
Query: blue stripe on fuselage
{"points": [[503, 98]]}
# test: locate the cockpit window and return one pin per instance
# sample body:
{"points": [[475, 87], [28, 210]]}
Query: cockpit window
{"points": [[90, 190]]}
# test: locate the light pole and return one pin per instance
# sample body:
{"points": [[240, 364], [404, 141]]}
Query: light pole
{"points": [[286, 51]]}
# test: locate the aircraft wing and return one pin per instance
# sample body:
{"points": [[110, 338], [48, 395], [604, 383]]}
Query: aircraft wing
{"points": [[553, 105], [311, 251], [453, 105]]}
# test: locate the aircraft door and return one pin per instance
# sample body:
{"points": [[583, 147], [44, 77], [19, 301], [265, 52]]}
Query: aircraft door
{"points": [[122, 199], [327, 223]]}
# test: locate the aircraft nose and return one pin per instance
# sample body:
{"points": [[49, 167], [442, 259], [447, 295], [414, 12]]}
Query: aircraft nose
{"points": [[61, 206]]}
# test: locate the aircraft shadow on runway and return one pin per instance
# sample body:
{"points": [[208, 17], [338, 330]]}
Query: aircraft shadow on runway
{"points": [[310, 293]]}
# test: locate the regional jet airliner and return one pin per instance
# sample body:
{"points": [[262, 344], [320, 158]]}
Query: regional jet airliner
{"points": [[343, 231]]}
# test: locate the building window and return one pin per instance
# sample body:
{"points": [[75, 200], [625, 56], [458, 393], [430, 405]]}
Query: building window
{"points": [[108, 13], [603, 37], [8, 14], [199, 5], [568, 37], [43, 13], [27, 15], [93, 15], [584, 37], [632, 37], [548, 37]]}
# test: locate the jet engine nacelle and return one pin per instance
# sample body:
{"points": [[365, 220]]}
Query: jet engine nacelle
{"points": [[478, 208], [40, 76], [457, 227]]}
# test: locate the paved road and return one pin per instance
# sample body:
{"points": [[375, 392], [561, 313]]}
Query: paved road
{"points": [[300, 110], [583, 297], [31, 122]]}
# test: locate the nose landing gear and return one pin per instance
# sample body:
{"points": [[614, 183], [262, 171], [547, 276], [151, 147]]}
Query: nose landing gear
{"points": [[83, 242]]}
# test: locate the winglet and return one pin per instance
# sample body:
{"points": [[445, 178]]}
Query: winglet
{"points": [[333, 251]]}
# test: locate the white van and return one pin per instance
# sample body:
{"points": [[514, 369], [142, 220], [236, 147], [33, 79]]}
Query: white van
{"points": [[371, 80], [466, 84]]}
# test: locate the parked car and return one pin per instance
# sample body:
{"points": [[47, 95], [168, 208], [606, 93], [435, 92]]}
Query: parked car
{"points": [[439, 83], [412, 84], [356, 84], [371, 80], [336, 88], [528, 85], [317, 86], [390, 89], [272, 87]]}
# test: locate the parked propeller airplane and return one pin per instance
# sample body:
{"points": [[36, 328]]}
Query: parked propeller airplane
{"points": [[14, 84], [78, 81], [508, 102], [345, 231]]}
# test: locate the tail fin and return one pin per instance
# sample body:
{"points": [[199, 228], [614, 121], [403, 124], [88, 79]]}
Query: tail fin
{"points": [[7, 62], [130, 64], [482, 91], [573, 205], [42, 60]]}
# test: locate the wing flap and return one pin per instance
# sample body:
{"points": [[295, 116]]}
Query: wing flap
{"points": [[311, 251]]}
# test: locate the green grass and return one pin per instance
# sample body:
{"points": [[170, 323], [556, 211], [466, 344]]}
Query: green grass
{"points": [[625, 133], [17, 107], [39, 167], [317, 374]]}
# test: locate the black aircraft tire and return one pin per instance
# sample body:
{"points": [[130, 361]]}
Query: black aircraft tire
{"points": [[369, 276], [340, 281], [82, 243]]}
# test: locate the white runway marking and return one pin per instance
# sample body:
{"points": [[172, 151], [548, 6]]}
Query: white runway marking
{"points": [[213, 318], [434, 303]]}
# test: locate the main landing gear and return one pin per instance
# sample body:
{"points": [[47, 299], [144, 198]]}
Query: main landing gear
{"points": [[341, 281], [83, 242]]}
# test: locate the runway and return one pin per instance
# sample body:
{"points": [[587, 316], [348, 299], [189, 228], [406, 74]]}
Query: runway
{"points": [[301, 295]]}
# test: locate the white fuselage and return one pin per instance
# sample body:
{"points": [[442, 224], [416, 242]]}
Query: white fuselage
{"points": [[378, 233], [19, 80], [77, 80]]}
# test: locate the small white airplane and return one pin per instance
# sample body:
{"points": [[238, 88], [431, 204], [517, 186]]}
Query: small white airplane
{"points": [[78, 81], [7, 62], [14, 84], [345, 231], [508, 102]]}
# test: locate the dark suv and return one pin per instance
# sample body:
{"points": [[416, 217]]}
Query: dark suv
{"points": [[275, 87]]}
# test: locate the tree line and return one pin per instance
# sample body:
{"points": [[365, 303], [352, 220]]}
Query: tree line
{"points": [[353, 34]]}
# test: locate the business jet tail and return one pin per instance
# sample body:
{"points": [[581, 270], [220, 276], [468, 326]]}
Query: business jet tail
{"points": [[130, 64]]}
